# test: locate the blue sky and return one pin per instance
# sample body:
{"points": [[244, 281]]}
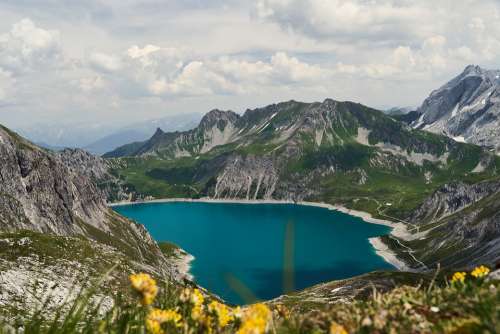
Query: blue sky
{"points": [[123, 60]]}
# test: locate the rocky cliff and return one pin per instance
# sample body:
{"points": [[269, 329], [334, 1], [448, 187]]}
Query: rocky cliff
{"points": [[97, 170], [450, 199], [467, 108], [40, 193], [55, 225]]}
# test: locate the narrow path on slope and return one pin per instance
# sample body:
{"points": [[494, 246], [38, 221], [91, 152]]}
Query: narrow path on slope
{"points": [[409, 251]]}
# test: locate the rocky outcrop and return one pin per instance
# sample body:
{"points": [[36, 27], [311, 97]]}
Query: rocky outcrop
{"points": [[98, 170], [450, 199], [50, 197], [467, 108], [248, 177], [57, 235]]}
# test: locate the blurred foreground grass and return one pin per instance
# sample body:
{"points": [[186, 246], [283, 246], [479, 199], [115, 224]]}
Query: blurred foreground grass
{"points": [[463, 303]]}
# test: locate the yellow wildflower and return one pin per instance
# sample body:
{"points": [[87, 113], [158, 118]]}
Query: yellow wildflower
{"points": [[335, 328], [255, 320], [224, 315], [197, 312], [197, 297], [157, 317], [146, 286], [480, 271], [458, 277], [237, 312], [206, 321], [185, 295]]}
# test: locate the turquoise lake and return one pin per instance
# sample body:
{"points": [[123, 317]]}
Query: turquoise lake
{"points": [[246, 242]]}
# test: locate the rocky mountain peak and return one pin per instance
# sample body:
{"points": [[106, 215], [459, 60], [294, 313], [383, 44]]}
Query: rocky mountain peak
{"points": [[158, 132], [467, 108], [492, 76], [329, 102], [216, 115], [472, 70]]}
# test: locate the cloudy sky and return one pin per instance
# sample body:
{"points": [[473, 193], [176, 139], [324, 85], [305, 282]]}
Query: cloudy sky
{"points": [[129, 60]]}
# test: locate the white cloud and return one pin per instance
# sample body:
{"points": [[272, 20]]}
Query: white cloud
{"points": [[346, 20], [170, 72], [234, 76], [27, 48], [90, 84], [404, 62], [105, 62], [294, 71], [173, 56], [388, 37], [143, 54], [6, 83]]}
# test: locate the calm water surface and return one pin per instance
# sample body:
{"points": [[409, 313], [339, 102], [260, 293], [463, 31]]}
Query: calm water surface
{"points": [[246, 242]]}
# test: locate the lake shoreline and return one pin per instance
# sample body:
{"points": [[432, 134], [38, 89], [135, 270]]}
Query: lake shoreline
{"points": [[182, 262], [399, 230]]}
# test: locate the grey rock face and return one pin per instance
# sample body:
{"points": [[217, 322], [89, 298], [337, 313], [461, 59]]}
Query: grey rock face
{"points": [[96, 169], [467, 108], [450, 199], [40, 193], [247, 177]]}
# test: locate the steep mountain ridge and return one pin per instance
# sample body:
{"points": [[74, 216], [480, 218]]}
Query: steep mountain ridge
{"points": [[282, 127], [467, 108], [214, 129], [142, 131], [295, 151]]}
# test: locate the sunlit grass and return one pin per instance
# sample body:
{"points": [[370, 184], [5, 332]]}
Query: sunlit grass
{"points": [[467, 302]]}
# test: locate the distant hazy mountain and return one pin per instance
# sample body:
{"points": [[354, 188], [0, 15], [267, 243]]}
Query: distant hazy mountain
{"points": [[398, 111], [467, 108], [100, 138], [143, 131], [50, 147], [72, 135]]}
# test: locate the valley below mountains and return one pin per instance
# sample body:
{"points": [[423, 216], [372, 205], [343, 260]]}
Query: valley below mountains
{"points": [[437, 176], [442, 190]]}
